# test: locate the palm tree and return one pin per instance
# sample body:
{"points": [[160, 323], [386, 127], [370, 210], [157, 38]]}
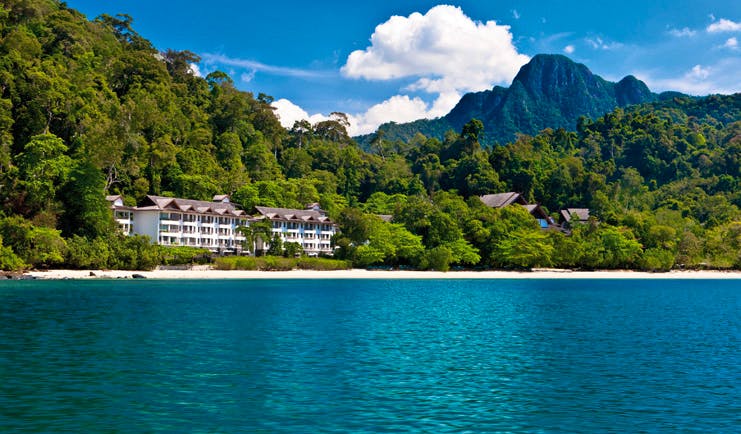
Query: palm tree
{"points": [[257, 231]]}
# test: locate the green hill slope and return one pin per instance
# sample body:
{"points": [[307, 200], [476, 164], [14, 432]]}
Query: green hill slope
{"points": [[551, 91]]}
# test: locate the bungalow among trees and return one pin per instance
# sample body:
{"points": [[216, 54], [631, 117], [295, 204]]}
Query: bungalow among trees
{"points": [[568, 216], [500, 200]]}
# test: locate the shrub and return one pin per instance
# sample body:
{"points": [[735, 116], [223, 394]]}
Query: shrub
{"points": [[656, 259], [184, 255], [9, 261], [225, 263], [323, 264], [276, 263], [437, 258], [245, 263], [133, 253], [85, 253]]}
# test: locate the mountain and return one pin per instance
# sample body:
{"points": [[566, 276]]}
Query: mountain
{"points": [[551, 91]]}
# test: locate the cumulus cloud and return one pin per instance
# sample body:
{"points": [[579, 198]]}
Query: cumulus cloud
{"points": [[444, 49], [398, 108], [731, 43], [444, 53], [195, 70], [724, 25], [569, 49], [288, 113]]}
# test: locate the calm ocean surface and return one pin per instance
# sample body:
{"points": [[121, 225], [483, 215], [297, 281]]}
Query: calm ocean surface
{"points": [[370, 356]]}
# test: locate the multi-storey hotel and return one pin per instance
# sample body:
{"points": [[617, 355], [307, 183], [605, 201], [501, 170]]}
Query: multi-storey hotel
{"points": [[311, 228], [213, 225]]}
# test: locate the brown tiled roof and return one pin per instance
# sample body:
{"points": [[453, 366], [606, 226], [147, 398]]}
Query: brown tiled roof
{"points": [[288, 214], [499, 200], [581, 213], [189, 205]]}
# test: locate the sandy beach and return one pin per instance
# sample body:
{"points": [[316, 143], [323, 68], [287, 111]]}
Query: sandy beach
{"points": [[207, 273]]}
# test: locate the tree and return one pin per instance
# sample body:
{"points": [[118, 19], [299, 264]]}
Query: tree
{"points": [[179, 64], [40, 247], [43, 167], [524, 249], [87, 213], [9, 261], [292, 249], [256, 235], [276, 246]]}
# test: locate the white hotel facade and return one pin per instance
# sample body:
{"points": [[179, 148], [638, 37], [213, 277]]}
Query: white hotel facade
{"points": [[214, 225], [311, 228]]}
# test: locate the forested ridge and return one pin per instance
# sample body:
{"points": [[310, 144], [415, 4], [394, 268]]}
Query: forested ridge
{"points": [[550, 91], [90, 108]]}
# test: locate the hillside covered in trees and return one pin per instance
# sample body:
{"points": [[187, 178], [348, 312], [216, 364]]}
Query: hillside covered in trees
{"points": [[90, 108], [550, 91]]}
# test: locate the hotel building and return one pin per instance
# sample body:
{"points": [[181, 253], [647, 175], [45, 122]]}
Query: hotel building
{"points": [[311, 228], [214, 225]]}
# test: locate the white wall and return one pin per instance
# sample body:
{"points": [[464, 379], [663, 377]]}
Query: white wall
{"points": [[147, 223]]}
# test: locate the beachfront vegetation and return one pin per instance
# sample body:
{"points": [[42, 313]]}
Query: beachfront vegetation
{"points": [[279, 263], [89, 108]]}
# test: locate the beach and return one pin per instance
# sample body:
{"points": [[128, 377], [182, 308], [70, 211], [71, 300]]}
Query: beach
{"points": [[206, 272]]}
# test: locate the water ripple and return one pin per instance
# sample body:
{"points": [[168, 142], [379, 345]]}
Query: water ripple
{"points": [[370, 356]]}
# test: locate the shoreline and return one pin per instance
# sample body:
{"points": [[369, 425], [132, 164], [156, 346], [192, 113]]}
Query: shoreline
{"points": [[207, 273]]}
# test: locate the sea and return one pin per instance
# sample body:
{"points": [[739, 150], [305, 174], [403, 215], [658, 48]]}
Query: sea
{"points": [[370, 356]]}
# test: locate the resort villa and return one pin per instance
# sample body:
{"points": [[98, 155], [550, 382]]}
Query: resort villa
{"points": [[214, 224], [568, 216], [500, 200]]}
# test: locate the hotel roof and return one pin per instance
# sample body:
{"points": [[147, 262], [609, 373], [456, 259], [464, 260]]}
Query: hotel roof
{"points": [[292, 214], [161, 203], [500, 200]]}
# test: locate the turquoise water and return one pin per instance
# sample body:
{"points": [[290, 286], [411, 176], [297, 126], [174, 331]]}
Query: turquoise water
{"points": [[370, 356]]}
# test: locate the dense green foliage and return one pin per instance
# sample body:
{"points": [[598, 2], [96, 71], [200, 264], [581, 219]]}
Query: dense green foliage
{"points": [[91, 108]]}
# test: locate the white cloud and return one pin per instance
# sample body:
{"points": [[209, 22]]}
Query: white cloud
{"points": [[599, 44], [515, 14], [288, 113], [731, 43], [699, 80], [398, 108], [445, 51], [247, 77], [682, 33], [698, 72], [254, 66], [569, 49], [444, 48], [724, 25], [195, 70]]}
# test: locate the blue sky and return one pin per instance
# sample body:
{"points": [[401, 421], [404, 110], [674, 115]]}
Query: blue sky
{"points": [[402, 60]]}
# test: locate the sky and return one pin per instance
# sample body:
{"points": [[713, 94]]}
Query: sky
{"points": [[403, 60]]}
